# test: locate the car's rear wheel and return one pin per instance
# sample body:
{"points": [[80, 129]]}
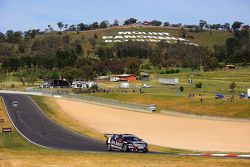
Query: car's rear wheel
{"points": [[125, 148], [109, 147]]}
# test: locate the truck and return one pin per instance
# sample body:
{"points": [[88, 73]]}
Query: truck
{"points": [[169, 81]]}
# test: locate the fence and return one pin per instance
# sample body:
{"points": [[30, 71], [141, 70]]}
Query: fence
{"points": [[98, 100]]}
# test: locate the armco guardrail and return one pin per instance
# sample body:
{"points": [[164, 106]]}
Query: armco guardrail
{"points": [[110, 102], [91, 99]]}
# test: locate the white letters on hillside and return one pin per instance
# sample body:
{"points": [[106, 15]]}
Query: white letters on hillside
{"points": [[141, 36]]}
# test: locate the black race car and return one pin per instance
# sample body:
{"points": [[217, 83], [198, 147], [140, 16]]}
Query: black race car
{"points": [[125, 143]]}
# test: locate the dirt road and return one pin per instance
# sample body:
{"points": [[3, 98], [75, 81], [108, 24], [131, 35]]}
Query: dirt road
{"points": [[163, 130]]}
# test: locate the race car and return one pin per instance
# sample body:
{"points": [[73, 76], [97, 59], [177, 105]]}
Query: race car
{"points": [[125, 143]]}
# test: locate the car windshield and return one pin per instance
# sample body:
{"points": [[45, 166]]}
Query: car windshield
{"points": [[131, 138]]}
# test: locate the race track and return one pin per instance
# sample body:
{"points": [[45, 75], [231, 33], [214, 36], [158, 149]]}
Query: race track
{"points": [[36, 127]]}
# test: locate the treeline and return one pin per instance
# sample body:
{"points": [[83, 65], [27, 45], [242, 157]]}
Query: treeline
{"points": [[66, 64], [236, 49], [162, 55], [16, 36]]}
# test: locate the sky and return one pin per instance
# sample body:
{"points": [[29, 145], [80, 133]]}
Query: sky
{"points": [[21, 15]]}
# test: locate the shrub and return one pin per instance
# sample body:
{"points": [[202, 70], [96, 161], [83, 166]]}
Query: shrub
{"points": [[181, 88], [198, 85], [145, 67], [172, 71], [12, 85], [232, 86]]}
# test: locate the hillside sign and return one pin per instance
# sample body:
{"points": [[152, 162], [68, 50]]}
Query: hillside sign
{"points": [[140, 36]]}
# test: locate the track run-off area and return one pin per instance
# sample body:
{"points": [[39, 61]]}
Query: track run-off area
{"points": [[163, 130], [158, 129]]}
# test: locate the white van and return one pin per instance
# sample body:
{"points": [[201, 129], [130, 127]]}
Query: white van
{"points": [[124, 85]]}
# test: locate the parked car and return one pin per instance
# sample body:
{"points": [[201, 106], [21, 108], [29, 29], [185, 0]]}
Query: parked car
{"points": [[219, 96], [125, 143], [14, 104], [124, 85], [146, 85], [45, 85], [152, 107]]}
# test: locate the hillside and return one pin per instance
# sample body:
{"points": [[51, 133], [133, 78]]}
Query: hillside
{"points": [[201, 38], [205, 38]]}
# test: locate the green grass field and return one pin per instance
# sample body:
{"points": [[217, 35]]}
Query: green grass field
{"points": [[168, 97]]}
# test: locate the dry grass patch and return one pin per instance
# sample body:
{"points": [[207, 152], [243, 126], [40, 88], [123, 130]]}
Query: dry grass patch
{"points": [[78, 159]]}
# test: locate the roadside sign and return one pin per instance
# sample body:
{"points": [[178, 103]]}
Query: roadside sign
{"points": [[6, 130], [1, 121]]}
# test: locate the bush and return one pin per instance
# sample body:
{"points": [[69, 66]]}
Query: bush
{"points": [[181, 88], [145, 67], [12, 85], [172, 71], [198, 85], [232, 86], [80, 90], [94, 88]]}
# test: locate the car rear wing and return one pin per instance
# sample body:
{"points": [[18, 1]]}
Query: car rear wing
{"points": [[108, 135]]}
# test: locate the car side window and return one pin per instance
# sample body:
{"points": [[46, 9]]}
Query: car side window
{"points": [[119, 137], [114, 137]]}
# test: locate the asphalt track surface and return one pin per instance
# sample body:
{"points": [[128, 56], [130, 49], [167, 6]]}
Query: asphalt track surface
{"points": [[36, 127]]}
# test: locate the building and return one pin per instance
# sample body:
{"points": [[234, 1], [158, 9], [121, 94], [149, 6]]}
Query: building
{"points": [[123, 77], [230, 66], [144, 76]]}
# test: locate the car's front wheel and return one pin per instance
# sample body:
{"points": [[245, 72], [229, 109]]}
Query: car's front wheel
{"points": [[125, 148]]}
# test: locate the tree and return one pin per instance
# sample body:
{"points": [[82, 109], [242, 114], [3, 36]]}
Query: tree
{"points": [[246, 27], [116, 22], [27, 76], [79, 49], [92, 42], [13, 37], [95, 25], [232, 86], [81, 27], [72, 27], [183, 33], [226, 26], [156, 23], [130, 21], [236, 25], [50, 28], [65, 27], [2, 37], [202, 24], [31, 33], [103, 25], [60, 25], [166, 24]]}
